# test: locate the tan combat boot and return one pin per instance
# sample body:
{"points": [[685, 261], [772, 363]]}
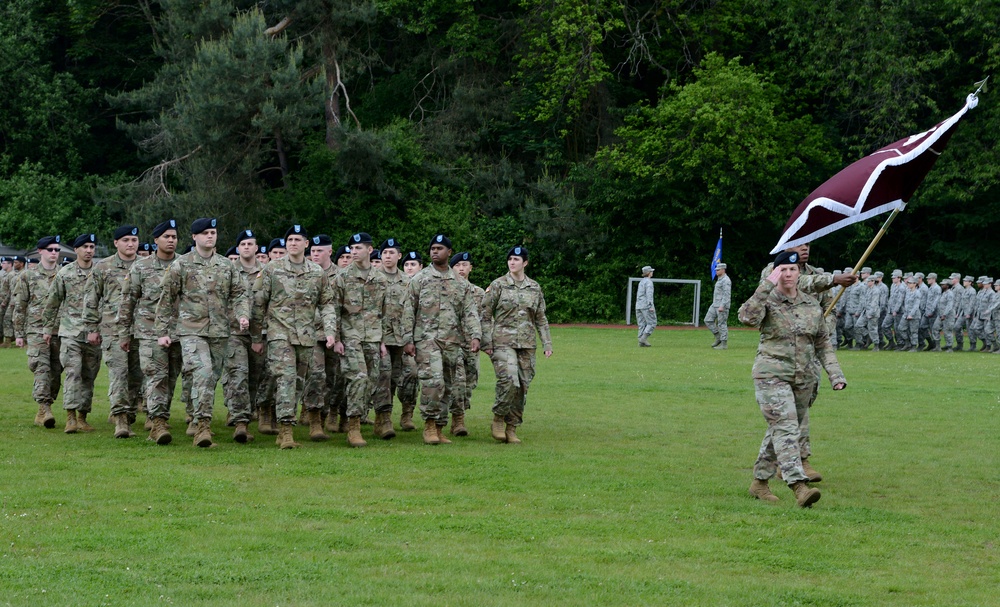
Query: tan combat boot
{"points": [[40, 415], [330, 425], [241, 435], [511, 433], [458, 425], [385, 431], [160, 433], [342, 425], [761, 491], [498, 429], [316, 433], [82, 425], [354, 438], [805, 495], [71, 427], [442, 439], [431, 436], [48, 420], [203, 435], [379, 428], [406, 419], [192, 427], [148, 425], [265, 423], [811, 473], [122, 429], [286, 437]]}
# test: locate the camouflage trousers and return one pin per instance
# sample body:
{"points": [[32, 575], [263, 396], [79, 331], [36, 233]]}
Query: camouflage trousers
{"points": [[289, 365], [871, 326], [324, 386], [961, 324], [8, 325], [81, 362], [240, 378], [646, 319], [718, 323], [889, 327], [361, 364], [43, 362], [946, 327], [436, 362], [912, 332], [785, 407], [398, 374], [204, 358], [514, 368], [124, 375], [161, 368], [466, 381]]}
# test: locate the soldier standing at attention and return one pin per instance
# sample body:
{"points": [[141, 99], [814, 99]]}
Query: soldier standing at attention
{"points": [[276, 250], [931, 297], [945, 320], [287, 295], [793, 335], [645, 310], [412, 263], [717, 318], [63, 317], [869, 315], [137, 322], [325, 369], [344, 257], [101, 301], [7, 298], [892, 326], [513, 312], [438, 317], [30, 294], [399, 371], [5, 268], [883, 306], [201, 289], [912, 313], [964, 311], [467, 373]]}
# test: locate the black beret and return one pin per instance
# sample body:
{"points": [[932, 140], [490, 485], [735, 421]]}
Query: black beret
{"points": [[262, 250], [66, 261], [45, 242], [202, 224], [170, 224], [786, 257], [360, 238], [390, 243], [376, 254], [322, 240], [145, 247], [277, 243], [296, 229], [232, 251], [83, 239], [457, 257], [440, 239], [124, 231], [413, 256], [3, 258], [245, 235], [152, 247], [344, 250], [518, 251]]}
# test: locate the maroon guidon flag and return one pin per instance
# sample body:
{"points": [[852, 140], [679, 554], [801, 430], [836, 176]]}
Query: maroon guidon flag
{"points": [[878, 183]]}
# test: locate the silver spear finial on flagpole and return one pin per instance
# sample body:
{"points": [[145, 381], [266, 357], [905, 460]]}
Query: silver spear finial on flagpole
{"points": [[981, 86]]}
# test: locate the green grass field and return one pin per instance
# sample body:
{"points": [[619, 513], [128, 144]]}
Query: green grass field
{"points": [[629, 489]]}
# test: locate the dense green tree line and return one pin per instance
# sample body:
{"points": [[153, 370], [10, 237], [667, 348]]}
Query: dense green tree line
{"points": [[603, 135]]}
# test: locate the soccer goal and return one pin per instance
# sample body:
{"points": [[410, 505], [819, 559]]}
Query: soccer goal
{"points": [[696, 304]]}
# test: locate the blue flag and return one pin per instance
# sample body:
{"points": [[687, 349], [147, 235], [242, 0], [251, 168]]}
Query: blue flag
{"points": [[717, 256]]}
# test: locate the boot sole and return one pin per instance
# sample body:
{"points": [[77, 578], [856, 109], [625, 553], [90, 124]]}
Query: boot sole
{"points": [[164, 439], [204, 443], [388, 436], [318, 438], [241, 438], [49, 423], [812, 499]]}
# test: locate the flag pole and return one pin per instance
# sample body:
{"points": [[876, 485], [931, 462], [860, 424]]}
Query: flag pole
{"points": [[864, 258]]}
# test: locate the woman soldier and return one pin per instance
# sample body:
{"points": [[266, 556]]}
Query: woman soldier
{"points": [[513, 310], [792, 333]]}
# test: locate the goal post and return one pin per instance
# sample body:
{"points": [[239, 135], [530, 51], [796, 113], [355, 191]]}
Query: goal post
{"points": [[696, 307]]}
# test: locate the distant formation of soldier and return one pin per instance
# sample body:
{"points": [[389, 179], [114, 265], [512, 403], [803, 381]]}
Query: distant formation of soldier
{"points": [[297, 331]]}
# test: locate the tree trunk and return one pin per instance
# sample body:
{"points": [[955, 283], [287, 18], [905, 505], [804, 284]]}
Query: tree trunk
{"points": [[332, 102]]}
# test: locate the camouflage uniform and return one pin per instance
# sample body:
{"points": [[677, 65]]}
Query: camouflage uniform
{"points": [[872, 310], [101, 301], [718, 321], [30, 294], [286, 298], [198, 295], [6, 304], [467, 372], [359, 297], [793, 336], [399, 372], [63, 315], [243, 366], [645, 311], [439, 315], [512, 314], [931, 296], [945, 319], [137, 317], [911, 316], [325, 386], [964, 316], [892, 326]]}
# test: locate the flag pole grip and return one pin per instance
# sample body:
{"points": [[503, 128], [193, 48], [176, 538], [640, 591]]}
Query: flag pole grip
{"points": [[864, 258]]}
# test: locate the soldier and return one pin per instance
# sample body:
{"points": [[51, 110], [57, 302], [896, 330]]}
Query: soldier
{"points": [[7, 298], [438, 317], [30, 295], [145, 250], [945, 320], [63, 319], [467, 372], [101, 301], [912, 313], [202, 289], [931, 296], [964, 293], [233, 255], [855, 309], [344, 257], [984, 310], [993, 323], [645, 311], [376, 259], [412, 263], [783, 376], [359, 296], [137, 325], [276, 250], [287, 295], [870, 314], [513, 312], [717, 318], [241, 376], [892, 326], [399, 372], [883, 306], [326, 380], [262, 256]]}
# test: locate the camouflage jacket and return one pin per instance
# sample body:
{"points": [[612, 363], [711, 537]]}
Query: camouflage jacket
{"points": [[512, 314], [440, 307], [872, 296], [199, 295], [912, 303], [931, 301], [983, 298], [104, 295], [286, 299], [360, 301], [792, 334], [249, 278], [946, 304], [30, 294], [897, 293], [330, 272], [64, 308], [969, 301], [7, 293], [722, 295], [140, 296], [644, 294], [397, 290]]}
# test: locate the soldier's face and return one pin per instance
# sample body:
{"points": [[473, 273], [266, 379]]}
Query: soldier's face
{"points": [[167, 242], [516, 263], [207, 239], [789, 277], [321, 254], [127, 246], [247, 249], [85, 252], [295, 244], [6, 266], [19, 265], [439, 254], [376, 263], [49, 255], [142, 253], [390, 259], [412, 266], [276, 253], [262, 257], [463, 268], [966, 283], [344, 260], [361, 252]]}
